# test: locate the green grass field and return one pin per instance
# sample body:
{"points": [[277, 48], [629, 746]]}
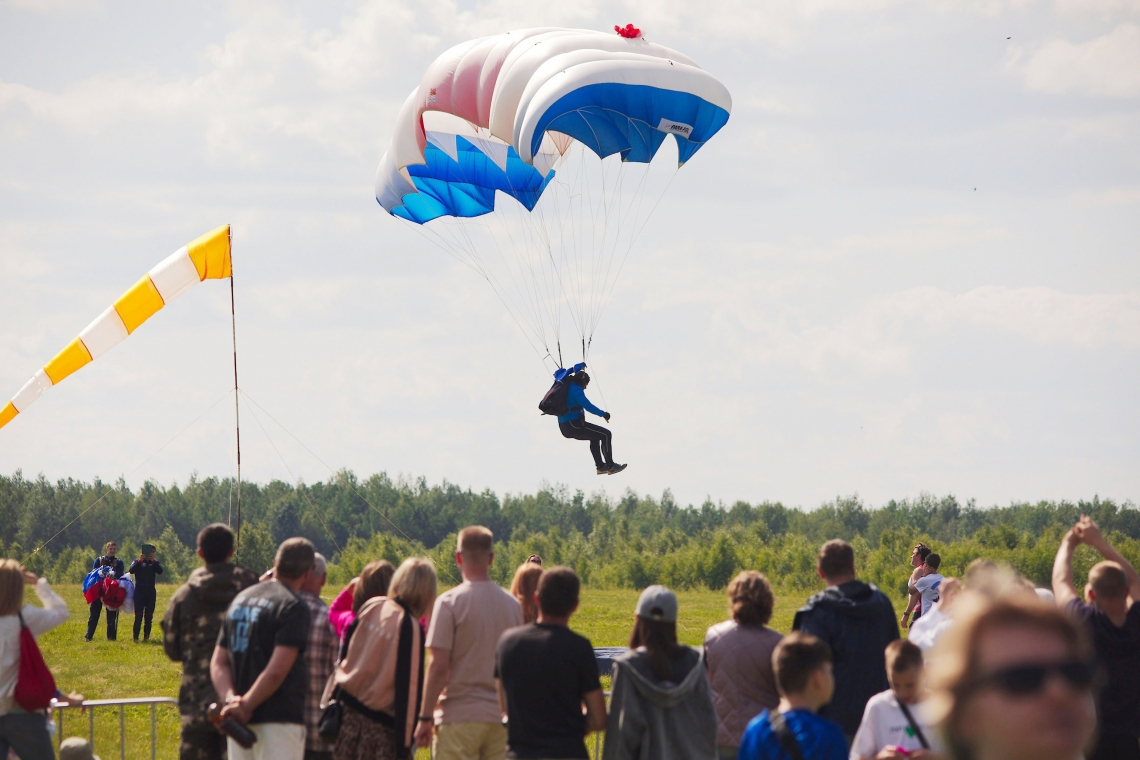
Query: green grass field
{"points": [[120, 669]]}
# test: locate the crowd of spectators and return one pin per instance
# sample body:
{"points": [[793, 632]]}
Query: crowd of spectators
{"points": [[992, 667]]}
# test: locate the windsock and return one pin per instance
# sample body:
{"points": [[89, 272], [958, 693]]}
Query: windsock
{"points": [[207, 258]]}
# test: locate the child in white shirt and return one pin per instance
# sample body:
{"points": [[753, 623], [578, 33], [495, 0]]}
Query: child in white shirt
{"points": [[894, 725]]}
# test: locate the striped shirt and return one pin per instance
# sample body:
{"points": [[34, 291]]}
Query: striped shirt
{"points": [[320, 660]]}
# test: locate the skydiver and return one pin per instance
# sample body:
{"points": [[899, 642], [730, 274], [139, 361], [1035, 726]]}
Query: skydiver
{"points": [[573, 424]]}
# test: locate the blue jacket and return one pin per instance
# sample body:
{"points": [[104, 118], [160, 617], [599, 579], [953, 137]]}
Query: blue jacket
{"points": [[819, 738], [576, 401]]}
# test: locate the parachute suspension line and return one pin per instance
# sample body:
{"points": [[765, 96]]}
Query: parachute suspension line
{"points": [[612, 201], [603, 293], [530, 289], [542, 261], [304, 491], [634, 240], [454, 251], [237, 414], [331, 470]]}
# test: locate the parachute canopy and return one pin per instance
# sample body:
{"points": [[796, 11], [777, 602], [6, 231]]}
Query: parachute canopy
{"points": [[611, 93], [207, 258], [512, 152]]}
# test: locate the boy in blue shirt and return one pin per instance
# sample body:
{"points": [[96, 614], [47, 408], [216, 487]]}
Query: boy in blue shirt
{"points": [[802, 665]]}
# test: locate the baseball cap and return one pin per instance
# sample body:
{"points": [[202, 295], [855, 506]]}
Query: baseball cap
{"points": [[657, 603]]}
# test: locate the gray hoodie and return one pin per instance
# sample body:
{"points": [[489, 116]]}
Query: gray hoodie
{"points": [[660, 720]]}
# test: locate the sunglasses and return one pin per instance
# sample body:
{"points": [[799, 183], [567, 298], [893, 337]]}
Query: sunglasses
{"points": [[1029, 680]]}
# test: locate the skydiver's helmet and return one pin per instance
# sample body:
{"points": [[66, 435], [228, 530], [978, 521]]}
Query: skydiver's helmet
{"points": [[582, 379]]}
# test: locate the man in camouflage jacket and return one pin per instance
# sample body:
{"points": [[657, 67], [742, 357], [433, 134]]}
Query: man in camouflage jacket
{"points": [[190, 630]]}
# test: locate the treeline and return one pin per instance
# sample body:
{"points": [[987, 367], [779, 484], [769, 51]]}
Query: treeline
{"points": [[631, 541]]}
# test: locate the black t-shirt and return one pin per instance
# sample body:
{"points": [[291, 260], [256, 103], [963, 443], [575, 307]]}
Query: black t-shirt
{"points": [[260, 618], [1118, 650], [546, 670]]}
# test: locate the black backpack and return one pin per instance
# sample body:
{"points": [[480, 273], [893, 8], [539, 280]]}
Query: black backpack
{"points": [[556, 400]]}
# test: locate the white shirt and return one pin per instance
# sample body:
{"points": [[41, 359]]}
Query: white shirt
{"points": [[39, 620], [928, 587], [884, 725], [925, 631]]}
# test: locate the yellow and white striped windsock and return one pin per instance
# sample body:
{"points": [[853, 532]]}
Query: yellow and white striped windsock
{"points": [[207, 258]]}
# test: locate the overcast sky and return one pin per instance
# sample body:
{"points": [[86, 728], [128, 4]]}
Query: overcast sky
{"points": [[910, 262]]}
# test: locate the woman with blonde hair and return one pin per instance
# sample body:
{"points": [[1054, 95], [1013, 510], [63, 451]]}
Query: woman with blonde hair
{"points": [[739, 657], [373, 581], [1014, 679], [525, 586], [24, 732], [380, 680]]}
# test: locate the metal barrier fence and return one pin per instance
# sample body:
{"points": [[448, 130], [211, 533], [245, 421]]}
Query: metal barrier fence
{"points": [[122, 704]]}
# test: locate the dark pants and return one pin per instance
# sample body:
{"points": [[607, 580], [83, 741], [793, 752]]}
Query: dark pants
{"points": [[93, 621], [201, 741], [599, 438], [27, 734], [144, 611], [1116, 747]]}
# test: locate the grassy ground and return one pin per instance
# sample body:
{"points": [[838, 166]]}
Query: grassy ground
{"points": [[120, 669]]}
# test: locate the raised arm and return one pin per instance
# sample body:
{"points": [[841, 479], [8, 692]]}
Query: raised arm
{"points": [[54, 612], [1091, 535], [1063, 589]]}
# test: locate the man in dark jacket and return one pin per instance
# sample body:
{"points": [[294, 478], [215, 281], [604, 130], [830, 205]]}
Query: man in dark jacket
{"points": [[145, 569], [117, 569], [190, 631], [857, 621]]}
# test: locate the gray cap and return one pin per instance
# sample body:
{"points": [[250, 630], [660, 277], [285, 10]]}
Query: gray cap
{"points": [[76, 748], [657, 603]]}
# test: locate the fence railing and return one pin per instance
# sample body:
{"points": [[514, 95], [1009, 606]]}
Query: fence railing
{"points": [[92, 704]]}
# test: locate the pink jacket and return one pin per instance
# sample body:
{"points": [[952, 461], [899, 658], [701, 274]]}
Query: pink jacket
{"points": [[739, 661], [340, 613]]}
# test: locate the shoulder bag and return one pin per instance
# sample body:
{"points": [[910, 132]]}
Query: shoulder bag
{"points": [[787, 740], [914, 725], [35, 685]]}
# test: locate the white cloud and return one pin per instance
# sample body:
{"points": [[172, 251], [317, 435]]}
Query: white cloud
{"points": [[1108, 8], [19, 260], [1107, 66], [56, 6], [756, 321]]}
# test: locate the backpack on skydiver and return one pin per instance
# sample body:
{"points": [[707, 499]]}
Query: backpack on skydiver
{"points": [[556, 400]]}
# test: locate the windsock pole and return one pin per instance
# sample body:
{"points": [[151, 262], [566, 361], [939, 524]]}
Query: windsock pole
{"points": [[237, 413]]}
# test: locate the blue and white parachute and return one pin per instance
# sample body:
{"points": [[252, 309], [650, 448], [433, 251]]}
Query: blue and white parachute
{"points": [[565, 122]]}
